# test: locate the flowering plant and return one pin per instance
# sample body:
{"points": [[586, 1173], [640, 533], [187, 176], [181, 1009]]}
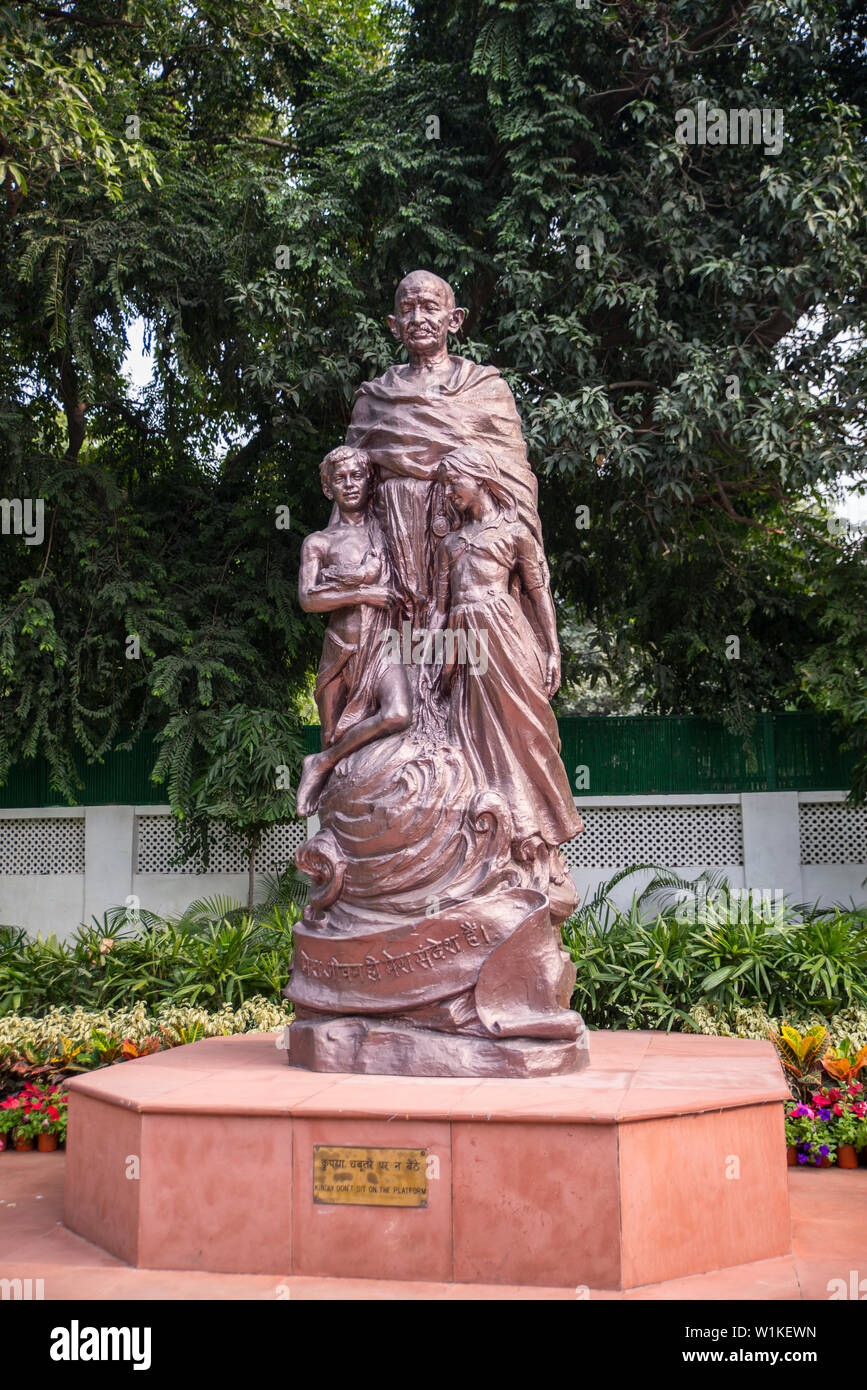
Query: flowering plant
{"points": [[35, 1110], [832, 1117], [15, 1118]]}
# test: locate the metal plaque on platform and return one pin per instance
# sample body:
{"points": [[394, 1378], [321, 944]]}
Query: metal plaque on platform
{"points": [[367, 1177]]}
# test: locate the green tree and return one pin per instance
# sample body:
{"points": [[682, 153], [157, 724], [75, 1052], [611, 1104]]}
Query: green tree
{"points": [[142, 149], [835, 673], [247, 767], [683, 327]]}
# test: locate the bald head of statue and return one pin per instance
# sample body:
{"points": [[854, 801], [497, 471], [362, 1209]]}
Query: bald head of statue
{"points": [[424, 315]]}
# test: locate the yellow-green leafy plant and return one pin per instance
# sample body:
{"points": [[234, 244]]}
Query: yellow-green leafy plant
{"points": [[801, 1055]]}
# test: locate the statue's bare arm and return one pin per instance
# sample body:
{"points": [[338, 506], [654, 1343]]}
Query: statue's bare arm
{"points": [[543, 606]]}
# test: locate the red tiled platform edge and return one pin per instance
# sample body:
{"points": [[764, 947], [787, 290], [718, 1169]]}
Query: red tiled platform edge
{"points": [[664, 1158]]}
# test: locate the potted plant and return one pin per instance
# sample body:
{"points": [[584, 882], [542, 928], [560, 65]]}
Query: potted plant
{"points": [[16, 1121], [843, 1063], [48, 1107], [36, 1113], [794, 1133], [844, 1110], [811, 1131], [861, 1139], [849, 1116], [801, 1055]]}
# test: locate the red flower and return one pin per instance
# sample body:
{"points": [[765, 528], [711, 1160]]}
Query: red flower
{"points": [[837, 1108], [54, 1112]]}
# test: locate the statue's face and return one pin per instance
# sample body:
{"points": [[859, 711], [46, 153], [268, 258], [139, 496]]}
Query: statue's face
{"points": [[424, 315], [350, 483], [461, 491]]}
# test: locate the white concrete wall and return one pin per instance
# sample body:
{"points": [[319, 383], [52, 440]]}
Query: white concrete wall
{"points": [[108, 855], [43, 903], [771, 841], [59, 902], [588, 880], [170, 894]]}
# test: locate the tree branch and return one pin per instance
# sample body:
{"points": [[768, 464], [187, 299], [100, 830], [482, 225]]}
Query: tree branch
{"points": [[74, 407], [769, 332]]}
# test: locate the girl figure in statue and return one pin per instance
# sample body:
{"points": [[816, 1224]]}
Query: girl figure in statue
{"points": [[499, 713]]}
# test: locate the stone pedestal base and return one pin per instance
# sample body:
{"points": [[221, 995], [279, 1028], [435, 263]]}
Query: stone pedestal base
{"points": [[382, 1048], [665, 1157]]}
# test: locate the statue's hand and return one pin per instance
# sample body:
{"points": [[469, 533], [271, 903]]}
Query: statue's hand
{"points": [[552, 674], [341, 577], [378, 597]]}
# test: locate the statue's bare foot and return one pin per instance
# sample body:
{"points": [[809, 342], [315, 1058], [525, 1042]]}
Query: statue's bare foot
{"points": [[314, 774]]}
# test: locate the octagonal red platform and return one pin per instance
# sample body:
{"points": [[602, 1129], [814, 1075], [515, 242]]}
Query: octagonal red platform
{"points": [[664, 1158]]}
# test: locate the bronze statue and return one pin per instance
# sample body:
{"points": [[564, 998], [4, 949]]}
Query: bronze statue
{"points": [[430, 945], [500, 718], [345, 571]]}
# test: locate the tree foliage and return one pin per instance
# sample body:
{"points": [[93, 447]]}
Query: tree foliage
{"points": [[293, 161]]}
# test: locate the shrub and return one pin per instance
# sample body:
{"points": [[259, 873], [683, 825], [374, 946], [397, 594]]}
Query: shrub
{"points": [[217, 955], [656, 965], [67, 1041]]}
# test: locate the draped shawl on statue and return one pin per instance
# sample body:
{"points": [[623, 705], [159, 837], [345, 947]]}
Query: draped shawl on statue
{"points": [[409, 422]]}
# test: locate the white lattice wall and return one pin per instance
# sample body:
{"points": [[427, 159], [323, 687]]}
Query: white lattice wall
{"points": [[615, 836], [156, 847], [832, 833], [59, 868], [49, 845]]}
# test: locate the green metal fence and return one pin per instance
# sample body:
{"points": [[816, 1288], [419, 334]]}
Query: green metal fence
{"points": [[604, 756], [643, 754]]}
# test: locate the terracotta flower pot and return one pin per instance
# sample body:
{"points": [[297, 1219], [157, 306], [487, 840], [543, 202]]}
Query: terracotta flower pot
{"points": [[46, 1143], [824, 1161], [22, 1143], [847, 1157], [792, 1156]]}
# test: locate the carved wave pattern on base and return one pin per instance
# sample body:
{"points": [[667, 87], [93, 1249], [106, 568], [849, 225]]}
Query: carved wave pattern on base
{"points": [[406, 826]]}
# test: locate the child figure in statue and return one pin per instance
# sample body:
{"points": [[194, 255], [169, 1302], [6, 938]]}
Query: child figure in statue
{"points": [[361, 695], [499, 714]]}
